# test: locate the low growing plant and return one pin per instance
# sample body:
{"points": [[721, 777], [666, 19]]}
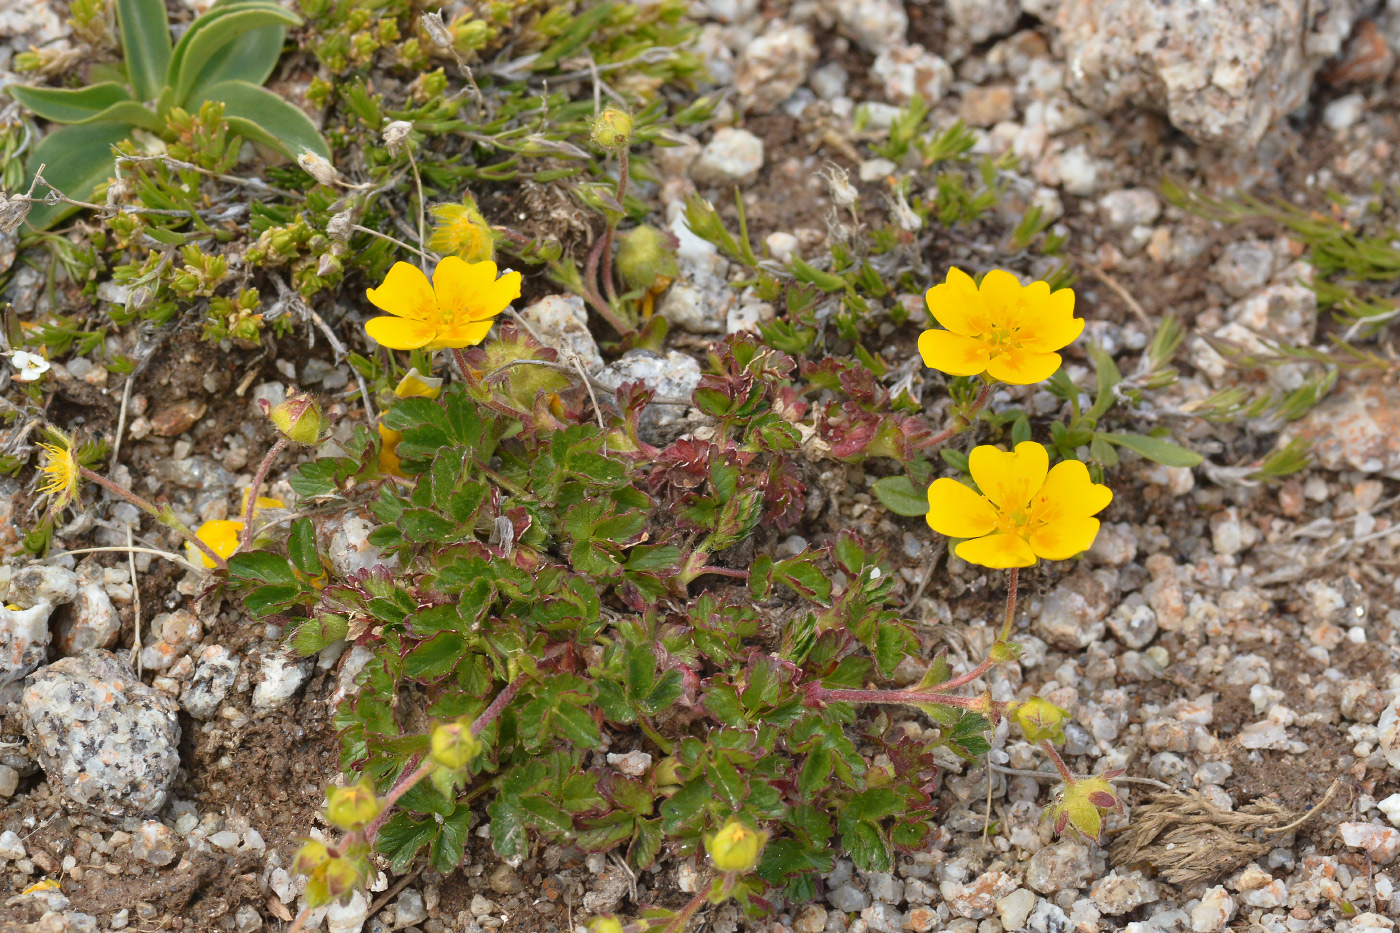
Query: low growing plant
{"points": [[224, 56]]}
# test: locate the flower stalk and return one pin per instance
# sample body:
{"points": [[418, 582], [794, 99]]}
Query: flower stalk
{"points": [[163, 515], [245, 540]]}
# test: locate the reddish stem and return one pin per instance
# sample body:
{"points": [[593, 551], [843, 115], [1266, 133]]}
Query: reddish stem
{"points": [[590, 289], [245, 539], [969, 677], [1060, 765], [962, 420], [723, 572], [622, 171], [1010, 603], [164, 516]]}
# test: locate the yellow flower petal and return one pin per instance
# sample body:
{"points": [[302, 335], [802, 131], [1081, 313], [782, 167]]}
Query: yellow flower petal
{"points": [[406, 293], [1009, 479], [458, 283], [467, 334], [1001, 293], [1068, 490], [953, 353], [1055, 327], [495, 297], [1064, 537], [222, 537], [398, 333], [957, 511], [389, 461], [956, 305], [1022, 367], [1000, 551], [416, 385]]}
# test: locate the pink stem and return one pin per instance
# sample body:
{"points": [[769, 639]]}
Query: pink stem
{"points": [[1060, 765], [245, 539], [962, 420]]}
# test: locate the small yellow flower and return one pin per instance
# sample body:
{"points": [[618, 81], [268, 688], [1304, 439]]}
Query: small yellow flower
{"points": [[61, 471], [1040, 719], [1025, 511], [735, 847], [352, 807], [454, 746], [413, 385], [461, 230], [1002, 329], [221, 535], [1081, 806], [456, 309]]}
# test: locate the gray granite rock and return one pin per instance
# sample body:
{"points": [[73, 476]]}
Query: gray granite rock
{"points": [[106, 741]]}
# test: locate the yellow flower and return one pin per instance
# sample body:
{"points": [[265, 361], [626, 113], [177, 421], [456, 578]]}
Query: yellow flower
{"points": [[1081, 806], [1002, 329], [1024, 511], [221, 535], [461, 230], [1040, 719], [454, 746], [61, 471], [455, 310], [735, 847], [413, 385], [352, 807]]}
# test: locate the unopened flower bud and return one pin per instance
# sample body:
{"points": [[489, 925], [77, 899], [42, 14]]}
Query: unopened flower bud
{"points": [[436, 30], [115, 191], [318, 167], [735, 847], [299, 419], [646, 259], [311, 856], [605, 925], [396, 135], [838, 183], [612, 128], [339, 226], [454, 746], [352, 807], [1040, 719], [140, 297], [327, 265]]}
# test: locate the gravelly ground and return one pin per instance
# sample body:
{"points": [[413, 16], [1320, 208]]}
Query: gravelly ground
{"points": [[1230, 639]]}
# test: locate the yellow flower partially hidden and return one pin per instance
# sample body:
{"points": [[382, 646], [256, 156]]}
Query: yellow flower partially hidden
{"points": [[61, 471], [461, 230], [222, 534], [456, 309], [734, 846], [1002, 329], [1025, 511], [413, 385]]}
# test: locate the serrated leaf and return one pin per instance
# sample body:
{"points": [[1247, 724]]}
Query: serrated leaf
{"points": [[145, 38], [1155, 449], [401, 837], [262, 567], [261, 116]]}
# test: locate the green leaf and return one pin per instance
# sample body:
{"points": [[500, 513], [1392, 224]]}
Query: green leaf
{"points": [[901, 496], [70, 105], [301, 547], [321, 632], [402, 836], [236, 42], [145, 35], [1108, 378], [435, 657], [261, 116], [1156, 449], [78, 159], [261, 567]]}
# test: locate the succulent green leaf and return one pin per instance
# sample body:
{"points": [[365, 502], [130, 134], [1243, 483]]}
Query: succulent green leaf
{"points": [[901, 496], [236, 42], [145, 35], [1155, 448], [77, 160], [70, 105], [261, 116]]}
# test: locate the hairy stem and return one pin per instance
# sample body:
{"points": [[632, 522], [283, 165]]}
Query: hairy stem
{"points": [[1059, 762], [245, 538], [962, 420], [164, 516], [1010, 603], [590, 288], [622, 172]]}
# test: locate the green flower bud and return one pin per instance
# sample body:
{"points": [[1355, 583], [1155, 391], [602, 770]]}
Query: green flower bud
{"points": [[311, 856], [454, 746], [1040, 719], [612, 128], [352, 807], [735, 847], [646, 259], [605, 925], [299, 419]]}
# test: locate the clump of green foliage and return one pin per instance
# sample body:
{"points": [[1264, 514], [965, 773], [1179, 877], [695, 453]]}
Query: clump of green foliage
{"points": [[224, 56]]}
